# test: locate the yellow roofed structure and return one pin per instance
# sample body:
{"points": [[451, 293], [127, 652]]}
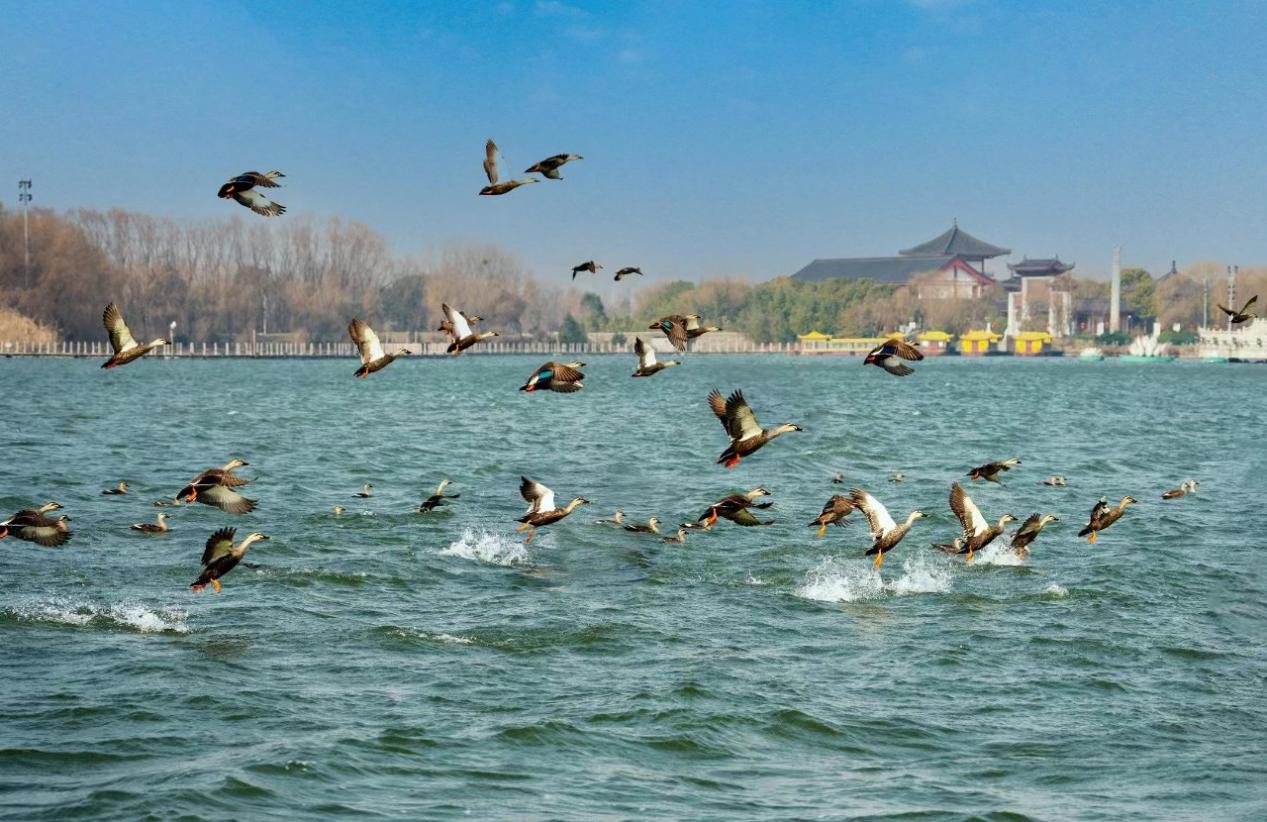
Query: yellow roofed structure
{"points": [[977, 341]]}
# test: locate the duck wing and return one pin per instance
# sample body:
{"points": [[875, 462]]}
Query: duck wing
{"points": [[257, 179], [219, 544], [259, 203], [903, 349], [745, 518], [839, 504], [226, 499], [457, 320], [741, 423], [967, 512], [121, 338], [1029, 526], [646, 354], [878, 517], [1248, 303], [674, 327], [490, 161], [539, 497], [366, 341]]}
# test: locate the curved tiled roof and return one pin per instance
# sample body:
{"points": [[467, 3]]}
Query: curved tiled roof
{"points": [[955, 242]]}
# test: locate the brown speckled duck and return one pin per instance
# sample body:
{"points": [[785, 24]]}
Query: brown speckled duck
{"points": [[885, 533], [1029, 531], [159, 527], [541, 507], [126, 348], [214, 487], [563, 377], [735, 508], [589, 265], [991, 470], [31, 525], [647, 363], [834, 512], [121, 488], [437, 498], [746, 434], [373, 357], [889, 355], [977, 533], [463, 336], [550, 166], [220, 556], [1103, 515]]}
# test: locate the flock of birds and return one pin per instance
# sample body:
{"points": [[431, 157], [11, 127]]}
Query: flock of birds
{"points": [[217, 487]]}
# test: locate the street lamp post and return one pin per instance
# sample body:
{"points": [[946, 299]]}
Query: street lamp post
{"points": [[24, 197]]}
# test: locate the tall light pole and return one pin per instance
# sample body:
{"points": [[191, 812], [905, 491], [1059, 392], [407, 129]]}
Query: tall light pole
{"points": [[24, 197]]}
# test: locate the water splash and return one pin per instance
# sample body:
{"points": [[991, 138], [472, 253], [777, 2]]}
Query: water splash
{"points": [[488, 547], [123, 616], [849, 581], [997, 553], [1056, 591]]}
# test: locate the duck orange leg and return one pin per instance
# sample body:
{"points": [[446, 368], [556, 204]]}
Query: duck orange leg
{"points": [[523, 527], [822, 529], [879, 558], [733, 461], [531, 534], [1091, 538], [215, 583]]}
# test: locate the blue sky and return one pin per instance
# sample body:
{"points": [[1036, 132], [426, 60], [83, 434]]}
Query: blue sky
{"points": [[736, 138]]}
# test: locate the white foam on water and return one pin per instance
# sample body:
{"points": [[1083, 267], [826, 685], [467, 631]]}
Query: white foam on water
{"points": [[853, 581], [130, 616], [754, 580], [997, 553], [1056, 591], [452, 640], [489, 548]]}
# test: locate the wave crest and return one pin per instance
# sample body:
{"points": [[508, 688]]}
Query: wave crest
{"points": [[849, 581], [127, 616]]}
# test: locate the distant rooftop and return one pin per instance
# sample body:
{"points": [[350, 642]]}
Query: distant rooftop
{"points": [[955, 242], [1040, 267], [887, 270]]}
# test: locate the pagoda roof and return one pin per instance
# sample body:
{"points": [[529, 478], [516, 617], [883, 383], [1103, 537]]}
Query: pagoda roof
{"points": [[1040, 267], [956, 242], [887, 270]]}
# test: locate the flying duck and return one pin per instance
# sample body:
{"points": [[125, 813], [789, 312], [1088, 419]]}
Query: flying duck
{"points": [[977, 533], [242, 189], [366, 491], [1183, 490], [735, 508], [627, 272], [373, 357], [1103, 515], [463, 337], [214, 486], [490, 161], [694, 329], [126, 348], [679, 537], [884, 531], [652, 526], [834, 511], [221, 556], [1056, 480], [647, 364], [510, 185], [437, 498], [1028, 532], [589, 265], [31, 525], [889, 355], [990, 471], [447, 327], [1244, 314], [550, 165], [541, 510], [153, 528], [563, 377], [674, 327], [121, 488], [746, 434]]}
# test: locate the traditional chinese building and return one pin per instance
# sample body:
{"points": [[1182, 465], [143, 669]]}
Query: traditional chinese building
{"points": [[952, 264], [1033, 299]]}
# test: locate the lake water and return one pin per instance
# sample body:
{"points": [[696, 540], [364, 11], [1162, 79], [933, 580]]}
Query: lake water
{"points": [[382, 664]]}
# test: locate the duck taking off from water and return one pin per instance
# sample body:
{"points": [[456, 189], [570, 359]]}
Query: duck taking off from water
{"points": [[1057, 480], [550, 166], [437, 498], [221, 556], [121, 488], [1184, 489], [889, 355], [628, 271], [589, 265], [991, 470], [126, 348], [746, 434], [735, 508], [884, 531], [1103, 515], [31, 525], [366, 491], [835, 511], [159, 527], [242, 189], [463, 336], [1244, 315], [563, 377], [373, 357], [214, 487], [1029, 531], [977, 533], [541, 508], [647, 364]]}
